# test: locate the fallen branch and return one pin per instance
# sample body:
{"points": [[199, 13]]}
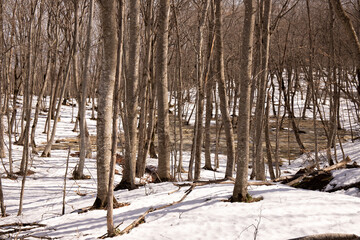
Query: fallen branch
{"points": [[136, 223], [220, 181], [261, 183], [18, 227], [329, 236], [297, 180], [285, 178], [141, 219]]}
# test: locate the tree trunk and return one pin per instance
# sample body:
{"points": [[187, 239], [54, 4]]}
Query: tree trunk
{"points": [[224, 107], [163, 127], [105, 98], [209, 95], [198, 128], [312, 84], [240, 188], [131, 99], [110, 221], [2, 203], [2, 80], [334, 93], [144, 91], [85, 145], [28, 91], [265, 16], [267, 139], [46, 152], [179, 93]]}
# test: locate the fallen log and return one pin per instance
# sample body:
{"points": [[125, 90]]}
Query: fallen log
{"points": [[329, 236], [346, 187], [338, 165], [321, 174]]}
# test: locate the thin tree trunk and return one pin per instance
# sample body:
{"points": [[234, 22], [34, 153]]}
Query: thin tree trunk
{"points": [[144, 91], [46, 152], [110, 220], [2, 108], [2, 203], [179, 93], [131, 99], [334, 93], [224, 107], [198, 128], [209, 95], [28, 91], [267, 139], [85, 146], [311, 81], [265, 13]]}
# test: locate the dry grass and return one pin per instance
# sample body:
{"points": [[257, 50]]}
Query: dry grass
{"points": [[288, 147]]}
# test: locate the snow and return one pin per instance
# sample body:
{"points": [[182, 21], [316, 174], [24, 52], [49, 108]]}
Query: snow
{"points": [[205, 213]]}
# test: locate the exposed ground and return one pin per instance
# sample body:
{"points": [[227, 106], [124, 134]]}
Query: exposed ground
{"points": [[288, 147]]}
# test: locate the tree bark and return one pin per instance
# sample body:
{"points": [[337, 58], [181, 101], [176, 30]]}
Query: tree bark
{"points": [[240, 188], [198, 128], [105, 100], [265, 19], [28, 91], [2, 203], [46, 152], [114, 139], [163, 127], [2, 129], [131, 98], [144, 92], [85, 146], [224, 108]]}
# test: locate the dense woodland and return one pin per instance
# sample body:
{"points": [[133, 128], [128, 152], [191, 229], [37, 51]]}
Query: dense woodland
{"points": [[168, 76]]}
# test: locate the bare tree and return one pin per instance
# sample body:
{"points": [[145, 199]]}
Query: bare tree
{"points": [[222, 93], [110, 221], [28, 97], [350, 31], [84, 133], [264, 41], [2, 107], [105, 100], [163, 128], [240, 189], [131, 98], [200, 67], [146, 116]]}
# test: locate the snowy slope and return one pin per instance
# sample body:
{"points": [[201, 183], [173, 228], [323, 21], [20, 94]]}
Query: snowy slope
{"points": [[204, 214]]}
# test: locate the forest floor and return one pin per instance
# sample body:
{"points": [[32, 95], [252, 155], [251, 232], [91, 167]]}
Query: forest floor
{"points": [[205, 213]]}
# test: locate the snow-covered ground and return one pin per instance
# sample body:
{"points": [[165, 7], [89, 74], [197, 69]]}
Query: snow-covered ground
{"points": [[284, 212]]}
